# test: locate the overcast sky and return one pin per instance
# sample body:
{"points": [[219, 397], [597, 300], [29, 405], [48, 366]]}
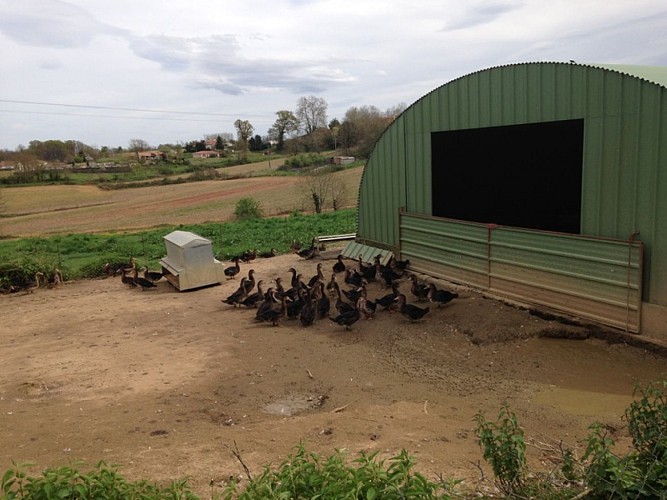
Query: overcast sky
{"points": [[107, 71]]}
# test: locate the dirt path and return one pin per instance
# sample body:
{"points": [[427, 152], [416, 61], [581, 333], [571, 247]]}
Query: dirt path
{"points": [[161, 381]]}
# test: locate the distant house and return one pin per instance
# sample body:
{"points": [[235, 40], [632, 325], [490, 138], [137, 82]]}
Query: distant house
{"points": [[7, 165], [152, 155], [207, 154]]}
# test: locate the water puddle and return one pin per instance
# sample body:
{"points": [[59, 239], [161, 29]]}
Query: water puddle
{"points": [[584, 403]]}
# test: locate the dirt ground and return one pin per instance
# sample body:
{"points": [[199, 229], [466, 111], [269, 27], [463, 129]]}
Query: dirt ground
{"points": [[163, 382]]}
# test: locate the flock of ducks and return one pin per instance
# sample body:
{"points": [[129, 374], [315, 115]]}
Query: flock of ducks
{"points": [[342, 299]]}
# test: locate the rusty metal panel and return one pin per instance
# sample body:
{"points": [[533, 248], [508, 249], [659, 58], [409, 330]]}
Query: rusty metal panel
{"points": [[594, 278]]}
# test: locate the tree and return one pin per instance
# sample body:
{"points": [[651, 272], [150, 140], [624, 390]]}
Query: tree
{"points": [[219, 145], [322, 187], [138, 145], [244, 131], [285, 124], [334, 127], [312, 113], [363, 127]]}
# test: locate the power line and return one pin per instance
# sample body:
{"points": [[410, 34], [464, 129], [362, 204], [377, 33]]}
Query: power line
{"points": [[38, 103], [110, 116]]}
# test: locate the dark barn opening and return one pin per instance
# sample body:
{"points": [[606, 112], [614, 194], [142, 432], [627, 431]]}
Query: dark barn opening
{"points": [[518, 175]]}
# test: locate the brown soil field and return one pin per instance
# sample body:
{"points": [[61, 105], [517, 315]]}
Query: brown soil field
{"points": [[45, 210], [164, 383]]}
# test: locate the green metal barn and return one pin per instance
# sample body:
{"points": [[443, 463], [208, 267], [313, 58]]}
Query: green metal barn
{"points": [[543, 183]]}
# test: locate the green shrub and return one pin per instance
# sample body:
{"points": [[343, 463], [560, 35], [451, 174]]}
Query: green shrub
{"points": [[248, 208], [67, 482], [307, 475], [504, 449], [641, 473]]}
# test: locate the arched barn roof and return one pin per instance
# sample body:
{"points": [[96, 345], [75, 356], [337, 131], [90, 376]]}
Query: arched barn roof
{"points": [[548, 148]]}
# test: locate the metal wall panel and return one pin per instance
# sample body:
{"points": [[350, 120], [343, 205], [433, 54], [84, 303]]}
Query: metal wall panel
{"points": [[594, 278], [624, 177]]}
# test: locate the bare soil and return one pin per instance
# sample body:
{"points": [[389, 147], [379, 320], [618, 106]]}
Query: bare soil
{"points": [[163, 382]]}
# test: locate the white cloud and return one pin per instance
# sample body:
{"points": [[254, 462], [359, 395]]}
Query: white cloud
{"points": [[249, 59]]}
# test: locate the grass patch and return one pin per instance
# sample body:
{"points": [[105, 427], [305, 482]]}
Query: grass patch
{"points": [[81, 256]]}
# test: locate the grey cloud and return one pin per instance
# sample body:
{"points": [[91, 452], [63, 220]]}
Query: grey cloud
{"points": [[216, 62], [482, 14], [52, 23]]}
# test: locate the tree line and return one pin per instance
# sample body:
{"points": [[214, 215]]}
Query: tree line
{"points": [[305, 129]]}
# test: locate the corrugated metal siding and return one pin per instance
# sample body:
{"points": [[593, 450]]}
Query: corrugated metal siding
{"points": [[354, 250], [594, 278], [624, 178]]}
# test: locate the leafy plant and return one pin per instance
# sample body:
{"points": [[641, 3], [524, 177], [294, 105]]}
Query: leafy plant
{"points": [[248, 208], [643, 471], [307, 475], [504, 449], [68, 482]]}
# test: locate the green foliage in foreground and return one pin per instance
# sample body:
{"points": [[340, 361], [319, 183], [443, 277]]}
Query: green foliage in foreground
{"points": [[68, 482], [307, 475], [640, 473]]}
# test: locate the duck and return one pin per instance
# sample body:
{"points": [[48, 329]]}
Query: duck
{"points": [[232, 271], [249, 255], [323, 302], [331, 285], [310, 252], [367, 308], [296, 303], [152, 275], [339, 266], [354, 293], [418, 289], [442, 297], [250, 282], [270, 299], [388, 300], [398, 265], [295, 246], [352, 277], [239, 295], [410, 311], [254, 299], [56, 280], [347, 319], [384, 274], [142, 283], [267, 255], [36, 284], [367, 272], [319, 276], [125, 279], [307, 312], [294, 282], [275, 316], [341, 307]]}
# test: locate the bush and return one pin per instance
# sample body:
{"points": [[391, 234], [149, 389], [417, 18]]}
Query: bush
{"points": [[504, 449], [642, 473], [67, 482], [248, 208], [307, 475]]}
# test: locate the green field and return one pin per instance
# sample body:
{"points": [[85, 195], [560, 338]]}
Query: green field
{"points": [[81, 256]]}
